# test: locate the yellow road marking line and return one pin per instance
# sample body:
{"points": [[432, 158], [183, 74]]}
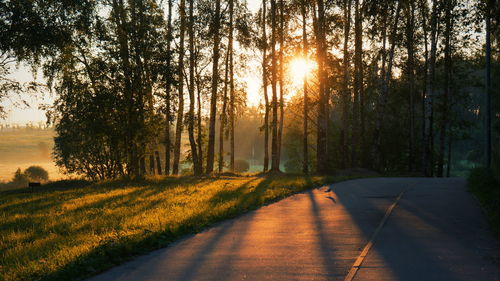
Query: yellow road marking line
{"points": [[357, 264]]}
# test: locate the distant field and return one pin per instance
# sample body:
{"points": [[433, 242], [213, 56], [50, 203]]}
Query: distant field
{"points": [[63, 232], [24, 147]]}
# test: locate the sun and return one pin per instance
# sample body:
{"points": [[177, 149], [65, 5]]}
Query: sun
{"points": [[300, 68]]}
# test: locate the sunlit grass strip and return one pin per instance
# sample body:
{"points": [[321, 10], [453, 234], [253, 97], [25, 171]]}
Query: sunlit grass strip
{"points": [[72, 233]]}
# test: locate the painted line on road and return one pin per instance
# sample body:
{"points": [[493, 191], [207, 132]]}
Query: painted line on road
{"points": [[357, 264]]}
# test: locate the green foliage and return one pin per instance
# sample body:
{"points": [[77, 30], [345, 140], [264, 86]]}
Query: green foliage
{"points": [[37, 173], [241, 166], [77, 232], [483, 183]]}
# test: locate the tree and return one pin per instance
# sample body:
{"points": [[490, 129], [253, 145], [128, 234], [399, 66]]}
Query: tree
{"points": [[265, 84], [180, 110], [37, 173], [305, 47], [274, 80], [345, 86], [191, 118], [215, 83], [322, 123], [168, 95], [489, 8]]}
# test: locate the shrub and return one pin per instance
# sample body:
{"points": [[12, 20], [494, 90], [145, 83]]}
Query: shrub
{"points": [[483, 183], [482, 180], [241, 166], [37, 173]]}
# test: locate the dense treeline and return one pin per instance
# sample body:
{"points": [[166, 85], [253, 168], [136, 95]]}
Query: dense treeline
{"points": [[145, 86]]}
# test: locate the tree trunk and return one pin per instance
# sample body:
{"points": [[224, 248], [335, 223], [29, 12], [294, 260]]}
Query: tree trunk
{"points": [[264, 83], [158, 162], [384, 95], [168, 145], [281, 78], [232, 93], [215, 83], [410, 43], [180, 111], [222, 124], [345, 86], [358, 84], [322, 125], [447, 87], [305, 166], [428, 161], [194, 149], [489, 8], [132, 161], [274, 80]]}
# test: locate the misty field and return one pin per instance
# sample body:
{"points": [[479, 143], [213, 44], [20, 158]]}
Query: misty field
{"points": [[64, 232], [24, 147]]}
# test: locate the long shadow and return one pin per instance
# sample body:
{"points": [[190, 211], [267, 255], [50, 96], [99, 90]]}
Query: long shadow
{"points": [[398, 264], [327, 251]]}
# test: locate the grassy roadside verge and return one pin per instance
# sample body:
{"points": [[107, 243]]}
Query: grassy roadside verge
{"points": [[486, 187], [64, 233]]}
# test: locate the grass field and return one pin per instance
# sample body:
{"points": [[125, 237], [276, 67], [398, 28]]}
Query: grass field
{"points": [[24, 147], [61, 233]]}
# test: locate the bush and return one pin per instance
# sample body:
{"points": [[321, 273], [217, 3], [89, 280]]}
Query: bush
{"points": [[37, 173], [482, 180], [486, 187], [241, 166]]}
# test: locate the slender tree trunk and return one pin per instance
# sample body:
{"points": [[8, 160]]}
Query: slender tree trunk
{"points": [[132, 161], [264, 83], [358, 84], [345, 86], [215, 83], [168, 97], [322, 126], [424, 13], [200, 130], [232, 93], [158, 162], [489, 8], [450, 143], [274, 80], [152, 164], [384, 95], [223, 114], [194, 150], [429, 132], [281, 78], [410, 41], [447, 72], [305, 167], [180, 111]]}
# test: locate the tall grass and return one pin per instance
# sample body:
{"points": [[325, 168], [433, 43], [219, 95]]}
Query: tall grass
{"points": [[62, 233]]}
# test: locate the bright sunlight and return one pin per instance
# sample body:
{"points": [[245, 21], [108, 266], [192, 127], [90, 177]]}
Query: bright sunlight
{"points": [[300, 68]]}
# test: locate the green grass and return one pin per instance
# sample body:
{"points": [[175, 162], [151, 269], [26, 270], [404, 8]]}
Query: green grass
{"points": [[486, 187], [61, 233]]}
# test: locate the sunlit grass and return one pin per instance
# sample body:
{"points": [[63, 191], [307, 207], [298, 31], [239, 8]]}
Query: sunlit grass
{"points": [[66, 233]]}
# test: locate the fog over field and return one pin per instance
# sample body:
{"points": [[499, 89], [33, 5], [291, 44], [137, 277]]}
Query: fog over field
{"points": [[24, 147]]}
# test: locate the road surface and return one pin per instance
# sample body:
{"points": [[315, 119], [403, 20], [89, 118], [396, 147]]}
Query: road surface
{"points": [[367, 229]]}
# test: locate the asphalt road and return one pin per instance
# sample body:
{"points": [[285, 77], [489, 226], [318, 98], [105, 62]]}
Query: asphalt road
{"points": [[436, 231]]}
